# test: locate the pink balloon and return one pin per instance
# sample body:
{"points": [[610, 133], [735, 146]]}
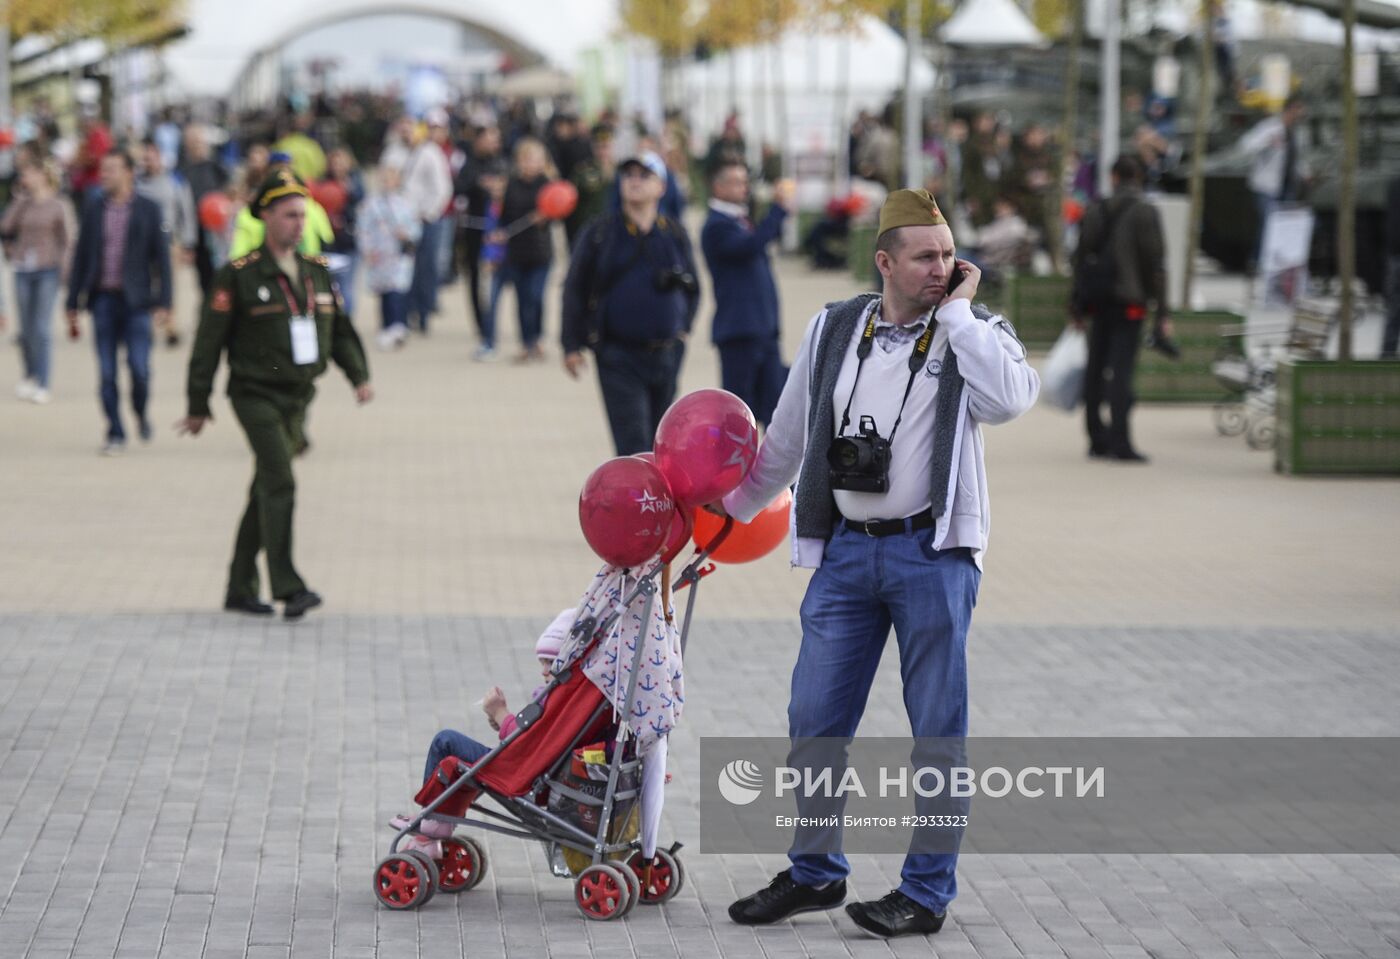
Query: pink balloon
{"points": [[626, 511], [705, 445]]}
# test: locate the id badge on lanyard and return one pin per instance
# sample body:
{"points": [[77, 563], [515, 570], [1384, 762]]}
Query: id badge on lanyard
{"points": [[306, 345]]}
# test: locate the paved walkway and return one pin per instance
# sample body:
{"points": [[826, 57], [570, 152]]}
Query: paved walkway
{"points": [[177, 783]]}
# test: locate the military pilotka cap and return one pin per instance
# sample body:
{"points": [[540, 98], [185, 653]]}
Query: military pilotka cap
{"points": [[909, 208], [278, 185]]}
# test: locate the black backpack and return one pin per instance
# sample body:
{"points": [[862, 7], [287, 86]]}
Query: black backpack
{"points": [[1097, 281]]}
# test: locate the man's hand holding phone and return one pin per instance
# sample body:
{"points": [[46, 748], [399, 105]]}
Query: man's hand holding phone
{"points": [[962, 282]]}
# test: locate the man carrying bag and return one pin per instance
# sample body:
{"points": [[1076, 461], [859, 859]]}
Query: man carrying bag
{"points": [[1119, 273]]}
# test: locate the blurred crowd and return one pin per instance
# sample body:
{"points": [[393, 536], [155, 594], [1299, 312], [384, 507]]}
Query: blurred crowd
{"points": [[400, 207]]}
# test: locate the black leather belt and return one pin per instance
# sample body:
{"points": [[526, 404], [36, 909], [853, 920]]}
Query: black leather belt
{"points": [[889, 527]]}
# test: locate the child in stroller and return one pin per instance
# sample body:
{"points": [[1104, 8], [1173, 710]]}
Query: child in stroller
{"points": [[449, 742], [581, 769]]}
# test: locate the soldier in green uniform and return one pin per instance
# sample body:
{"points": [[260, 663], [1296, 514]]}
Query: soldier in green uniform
{"points": [[277, 314]]}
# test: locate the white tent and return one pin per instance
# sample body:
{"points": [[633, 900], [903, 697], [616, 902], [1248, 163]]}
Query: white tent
{"points": [[806, 80], [991, 23]]}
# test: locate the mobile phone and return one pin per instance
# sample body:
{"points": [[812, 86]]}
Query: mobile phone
{"points": [[955, 279]]}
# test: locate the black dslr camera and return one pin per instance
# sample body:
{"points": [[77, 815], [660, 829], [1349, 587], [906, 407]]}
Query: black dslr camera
{"points": [[675, 278], [861, 463]]}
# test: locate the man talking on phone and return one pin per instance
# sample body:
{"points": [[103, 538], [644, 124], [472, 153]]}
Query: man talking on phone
{"points": [[880, 425]]}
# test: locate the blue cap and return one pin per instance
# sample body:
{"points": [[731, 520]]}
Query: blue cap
{"points": [[647, 160], [279, 157]]}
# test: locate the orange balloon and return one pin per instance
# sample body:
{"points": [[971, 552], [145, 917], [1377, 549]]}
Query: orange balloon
{"points": [[557, 200], [215, 210], [330, 194], [746, 542]]}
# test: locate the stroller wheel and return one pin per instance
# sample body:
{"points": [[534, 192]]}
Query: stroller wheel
{"points": [[634, 886], [431, 877], [463, 865], [667, 876], [1230, 418], [601, 893], [1261, 435], [401, 882]]}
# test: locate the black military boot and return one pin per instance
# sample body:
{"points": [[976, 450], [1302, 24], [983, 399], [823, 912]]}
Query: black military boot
{"points": [[296, 605], [247, 604]]}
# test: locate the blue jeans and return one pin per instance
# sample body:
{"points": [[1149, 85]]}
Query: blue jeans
{"points": [[393, 309], [638, 385], [529, 296], [422, 294], [449, 742], [447, 241], [115, 323], [35, 292], [344, 279], [863, 587]]}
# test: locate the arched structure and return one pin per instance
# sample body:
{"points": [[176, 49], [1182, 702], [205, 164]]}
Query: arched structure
{"points": [[234, 45]]}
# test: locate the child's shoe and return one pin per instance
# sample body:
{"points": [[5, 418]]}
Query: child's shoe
{"points": [[432, 828], [421, 844]]}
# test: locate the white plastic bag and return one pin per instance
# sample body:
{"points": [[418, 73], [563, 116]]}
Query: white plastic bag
{"points": [[1062, 376]]}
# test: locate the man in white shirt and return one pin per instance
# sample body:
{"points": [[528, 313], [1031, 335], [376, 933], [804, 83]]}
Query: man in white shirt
{"points": [[1279, 168], [894, 543], [426, 175]]}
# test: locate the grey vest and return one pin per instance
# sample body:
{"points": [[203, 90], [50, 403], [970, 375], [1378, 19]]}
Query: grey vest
{"points": [[816, 508]]}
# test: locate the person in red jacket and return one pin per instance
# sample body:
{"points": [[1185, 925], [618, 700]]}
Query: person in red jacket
{"points": [[86, 171]]}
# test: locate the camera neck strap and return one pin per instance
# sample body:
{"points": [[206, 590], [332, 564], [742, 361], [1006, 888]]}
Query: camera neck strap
{"points": [[916, 361]]}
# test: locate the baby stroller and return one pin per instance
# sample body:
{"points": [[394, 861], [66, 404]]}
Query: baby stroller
{"points": [[1246, 363], [568, 776]]}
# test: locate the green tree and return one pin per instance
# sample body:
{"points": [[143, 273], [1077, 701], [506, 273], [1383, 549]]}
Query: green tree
{"points": [[670, 24], [117, 21]]}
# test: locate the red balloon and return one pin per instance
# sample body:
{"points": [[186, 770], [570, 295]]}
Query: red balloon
{"points": [[681, 524], [330, 194], [215, 210], [746, 542], [705, 445], [556, 200], [625, 511]]}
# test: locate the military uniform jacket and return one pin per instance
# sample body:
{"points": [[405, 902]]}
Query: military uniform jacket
{"points": [[248, 314]]}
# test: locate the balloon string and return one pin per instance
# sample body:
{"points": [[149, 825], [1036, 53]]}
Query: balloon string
{"points": [[616, 635], [510, 230]]}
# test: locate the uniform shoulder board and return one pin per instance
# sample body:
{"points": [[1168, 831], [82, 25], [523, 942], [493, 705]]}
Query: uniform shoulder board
{"points": [[318, 260], [247, 258]]}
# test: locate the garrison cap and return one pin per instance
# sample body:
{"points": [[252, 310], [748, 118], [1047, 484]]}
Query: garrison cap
{"points": [[909, 208], [280, 183]]}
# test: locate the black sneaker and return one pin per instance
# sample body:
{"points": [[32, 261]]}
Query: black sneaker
{"points": [[247, 604], [895, 915], [1126, 454], [296, 605], [1164, 345], [783, 897]]}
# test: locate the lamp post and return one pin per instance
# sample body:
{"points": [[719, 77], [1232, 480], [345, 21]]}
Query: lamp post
{"points": [[1109, 92]]}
